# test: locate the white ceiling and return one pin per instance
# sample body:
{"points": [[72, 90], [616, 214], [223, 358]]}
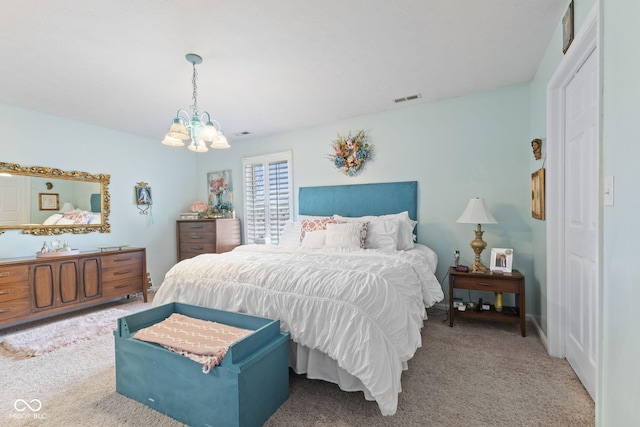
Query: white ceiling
{"points": [[268, 65]]}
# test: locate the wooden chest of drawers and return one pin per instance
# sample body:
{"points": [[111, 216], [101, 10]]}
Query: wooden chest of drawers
{"points": [[195, 237], [33, 287]]}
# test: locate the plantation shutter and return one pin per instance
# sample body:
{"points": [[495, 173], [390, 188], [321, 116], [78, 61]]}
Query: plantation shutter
{"points": [[268, 197]]}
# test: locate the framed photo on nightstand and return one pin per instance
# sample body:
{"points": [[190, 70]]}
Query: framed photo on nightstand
{"points": [[501, 260]]}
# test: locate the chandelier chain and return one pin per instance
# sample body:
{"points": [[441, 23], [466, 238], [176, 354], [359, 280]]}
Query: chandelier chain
{"points": [[194, 107]]}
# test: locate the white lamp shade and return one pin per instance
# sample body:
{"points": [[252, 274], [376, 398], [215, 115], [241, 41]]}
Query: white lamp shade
{"points": [[209, 132], [67, 207], [177, 130], [220, 142], [171, 141], [477, 213]]}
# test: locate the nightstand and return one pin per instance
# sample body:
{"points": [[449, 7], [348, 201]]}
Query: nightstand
{"points": [[491, 282]]}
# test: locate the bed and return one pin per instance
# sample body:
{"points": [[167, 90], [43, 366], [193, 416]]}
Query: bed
{"points": [[354, 305]]}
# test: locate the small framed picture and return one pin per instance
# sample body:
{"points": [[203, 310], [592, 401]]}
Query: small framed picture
{"points": [[567, 28], [49, 201], [537, 194], [143, 194], [501, 259]]}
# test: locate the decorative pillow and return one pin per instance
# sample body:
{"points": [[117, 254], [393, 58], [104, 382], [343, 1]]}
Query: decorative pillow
{"points": [[314, 225], [346, 235], [405, 237], [78, 216], [314, 239], [290, 236]]}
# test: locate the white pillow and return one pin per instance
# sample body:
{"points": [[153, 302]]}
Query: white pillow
{"points": [[405, 232], [314, 239], [347, 235], [52, 219], [290, 236], [406, 225], [383, 234]]}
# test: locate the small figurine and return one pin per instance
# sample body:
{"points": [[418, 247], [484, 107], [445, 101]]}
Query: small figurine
{"points": [[536, 144]]}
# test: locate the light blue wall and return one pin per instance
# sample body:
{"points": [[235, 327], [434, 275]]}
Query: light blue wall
{"points": [[35, 139], [538, 87], [456, 149], [619, 376]]}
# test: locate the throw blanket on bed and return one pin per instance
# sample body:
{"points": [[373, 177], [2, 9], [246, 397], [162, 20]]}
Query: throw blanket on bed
{"points": [[362, 308], [202, 341]]}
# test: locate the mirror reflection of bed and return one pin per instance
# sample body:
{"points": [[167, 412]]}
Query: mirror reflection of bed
{"points": [[348, 281], [70, 214]]}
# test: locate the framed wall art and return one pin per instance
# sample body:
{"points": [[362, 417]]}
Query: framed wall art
{"points": [[567, 28], [501, 260], [537, 194], [143, 197], [48, 201], [220, 190]]}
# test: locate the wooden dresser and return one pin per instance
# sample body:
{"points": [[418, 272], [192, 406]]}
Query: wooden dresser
{"points": [[201, 236], [33, 287]]}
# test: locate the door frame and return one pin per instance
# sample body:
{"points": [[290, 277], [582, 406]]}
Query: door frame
{"points": [[588, 40]]}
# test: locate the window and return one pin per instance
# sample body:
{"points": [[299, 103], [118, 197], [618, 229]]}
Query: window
{"points": [[268, 197]]}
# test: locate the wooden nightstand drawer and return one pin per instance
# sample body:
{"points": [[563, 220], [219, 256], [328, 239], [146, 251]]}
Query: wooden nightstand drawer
{"points": [[488, 282]]}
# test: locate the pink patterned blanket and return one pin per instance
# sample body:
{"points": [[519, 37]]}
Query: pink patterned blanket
{"points": [[202, 341]]}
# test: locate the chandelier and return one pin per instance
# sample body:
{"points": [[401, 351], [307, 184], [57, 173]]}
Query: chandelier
{"points": [[185, 126]]}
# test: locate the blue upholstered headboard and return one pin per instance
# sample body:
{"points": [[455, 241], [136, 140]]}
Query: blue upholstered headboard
{"points": [[360, 199]]}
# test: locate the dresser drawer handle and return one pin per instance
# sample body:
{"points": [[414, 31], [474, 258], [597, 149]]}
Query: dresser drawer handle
{"points": [[119, 273], [5, 274], [121, 259], [197, 249], [196, 237], [199, 227], [485, 284], [5, 292], [5, 310], [126, 285]]}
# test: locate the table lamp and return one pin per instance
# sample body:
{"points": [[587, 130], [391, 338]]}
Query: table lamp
{"points": [[477, 213]]}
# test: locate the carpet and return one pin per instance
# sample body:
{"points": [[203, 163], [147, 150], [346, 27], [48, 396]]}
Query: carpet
{"points": [[474, 374], [41, 337]]}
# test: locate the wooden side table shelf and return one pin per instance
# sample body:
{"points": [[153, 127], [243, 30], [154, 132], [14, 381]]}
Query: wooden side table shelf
{"points": [[492, 282]]}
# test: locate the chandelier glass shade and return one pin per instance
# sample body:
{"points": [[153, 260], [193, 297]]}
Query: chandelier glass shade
{"points": [[189, 126]]}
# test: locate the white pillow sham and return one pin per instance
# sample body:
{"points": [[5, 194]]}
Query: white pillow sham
{"points": [[290, 236], [405, 237], [347, 235]]}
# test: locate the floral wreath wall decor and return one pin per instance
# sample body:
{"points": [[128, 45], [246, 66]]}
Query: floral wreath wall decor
{"points": [[351, 152]]}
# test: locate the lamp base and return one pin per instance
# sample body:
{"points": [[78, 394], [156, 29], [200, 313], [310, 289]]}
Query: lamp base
{"points": [[478, 246], [478, 267]]}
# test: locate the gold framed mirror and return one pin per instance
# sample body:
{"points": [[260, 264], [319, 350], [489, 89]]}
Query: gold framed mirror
{"points": [[46, 201]]}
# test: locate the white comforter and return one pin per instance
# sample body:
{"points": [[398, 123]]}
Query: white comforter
{"points": [[363, 308]]}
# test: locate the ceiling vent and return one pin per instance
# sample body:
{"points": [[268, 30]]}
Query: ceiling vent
{"points": [[243, 133], [407, 98]]}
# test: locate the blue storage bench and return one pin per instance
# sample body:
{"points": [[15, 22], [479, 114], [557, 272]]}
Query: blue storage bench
{"points": [[244, 390]]}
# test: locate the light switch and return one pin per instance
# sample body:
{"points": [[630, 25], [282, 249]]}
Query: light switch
{"points": [[608, 191]]}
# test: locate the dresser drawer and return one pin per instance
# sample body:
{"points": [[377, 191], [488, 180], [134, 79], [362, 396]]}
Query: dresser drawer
{"points": [[18, 273], [14, 309], [197, 227], [121, 272], [123, 259], [197, 247], [126, 286], [13, 291]]}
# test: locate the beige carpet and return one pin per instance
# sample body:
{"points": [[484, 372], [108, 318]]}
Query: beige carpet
{"points": [[475, 374]]}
